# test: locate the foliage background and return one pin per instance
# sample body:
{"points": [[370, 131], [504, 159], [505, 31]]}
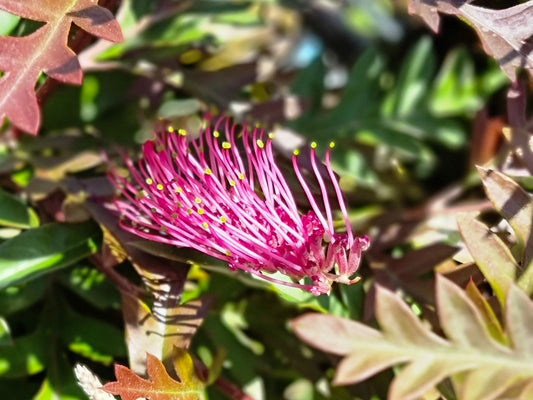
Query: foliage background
{"points": [[412, 113]]}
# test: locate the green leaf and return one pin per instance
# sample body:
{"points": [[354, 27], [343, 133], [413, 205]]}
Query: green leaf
{"points": [[5, 333], [91, 338], [19, 297], [415, 77], [492, 256], [7, 22], [92, 285], [14, 213], [45, 249], [25, 356], [60, 382]]}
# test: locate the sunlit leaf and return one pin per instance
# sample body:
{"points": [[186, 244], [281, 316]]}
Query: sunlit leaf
{"points": [[160, 386], [487, 368], [490, 253], [23, 58], [14, 213], [45, 249], [505, 33]]}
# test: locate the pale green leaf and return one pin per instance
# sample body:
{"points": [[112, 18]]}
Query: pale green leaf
{"points": [[519, 321], [489, 383], [399, 323], [492, 256], [479, 366], [460, 319], [514, 204], [422, 375]]}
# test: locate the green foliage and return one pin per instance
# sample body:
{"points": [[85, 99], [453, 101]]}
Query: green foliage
{"points": [[433, 168]]}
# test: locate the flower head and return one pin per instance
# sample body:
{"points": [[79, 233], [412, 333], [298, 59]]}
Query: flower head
{"points": [[223, 194]]}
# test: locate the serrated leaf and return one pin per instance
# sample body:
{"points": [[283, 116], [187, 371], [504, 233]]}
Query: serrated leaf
{"points": [[45, 249], [23, 58], [492, 256], [161, 386], [460, 319], [506, 34], [482, 368], [519, 321]]}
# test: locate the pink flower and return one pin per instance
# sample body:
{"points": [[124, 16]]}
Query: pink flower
{"points": [[223, 194]]}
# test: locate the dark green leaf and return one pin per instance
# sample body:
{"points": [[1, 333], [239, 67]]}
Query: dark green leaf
{"points": [[14, 213], [45, 249]]}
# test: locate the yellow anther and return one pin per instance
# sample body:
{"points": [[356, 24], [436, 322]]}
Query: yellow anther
{"points": [[208, 171], [163, 228], [171, 129], [179, 204], [226, 145], [160, 148], [205, 225], [314, 145], [241, 176], [160, 186], [223, 219], [216, 134], [258, 125], [140, 194], [201, 211], [228, 253], [270, 135], [179, 189], [174, 215], [260, 144], [190, 211], [232, 182], [197, 200], [331, 145], [153, 209], [149, 181], [182, 132], [296, 152]]}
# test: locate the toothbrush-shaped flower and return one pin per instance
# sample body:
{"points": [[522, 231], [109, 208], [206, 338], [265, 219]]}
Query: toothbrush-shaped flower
{"points": [[223, 194]]}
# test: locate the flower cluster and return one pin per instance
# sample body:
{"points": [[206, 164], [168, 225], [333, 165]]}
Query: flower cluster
{"points": [[222, 193]]}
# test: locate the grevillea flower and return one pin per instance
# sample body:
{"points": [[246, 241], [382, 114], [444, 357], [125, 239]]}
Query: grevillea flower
{"points": [[223, 194]]}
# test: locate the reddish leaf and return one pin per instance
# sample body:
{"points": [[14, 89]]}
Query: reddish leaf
{"points": [[161, 386], [23, 58], [506, 34]]}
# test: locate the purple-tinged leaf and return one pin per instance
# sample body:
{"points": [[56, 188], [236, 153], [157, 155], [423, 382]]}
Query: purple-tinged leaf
{"points": [[23, 58], [461, 320], [421, 375], [397, 320], [492, 256], [367, 361], [506, 34], [480, 367], [333, 334], [519, 321], [489, 383]]}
